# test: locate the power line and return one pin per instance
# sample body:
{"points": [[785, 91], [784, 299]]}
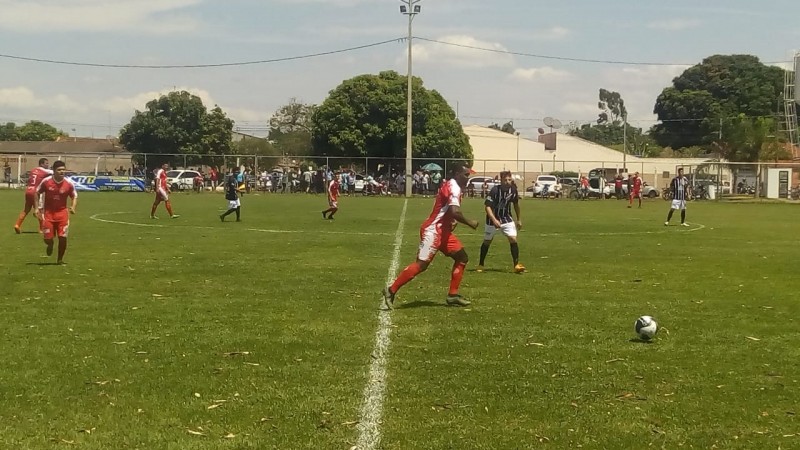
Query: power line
{"points": [[198, 66], [565, 58]]}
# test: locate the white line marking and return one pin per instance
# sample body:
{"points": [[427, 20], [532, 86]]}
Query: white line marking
{"points": [[369, 433]]}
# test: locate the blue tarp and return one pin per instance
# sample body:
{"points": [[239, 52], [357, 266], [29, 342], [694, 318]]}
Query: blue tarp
{"points": [[106, 183]]}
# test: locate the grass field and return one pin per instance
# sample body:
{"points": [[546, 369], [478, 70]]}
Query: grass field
{"points": [[196, 334]]}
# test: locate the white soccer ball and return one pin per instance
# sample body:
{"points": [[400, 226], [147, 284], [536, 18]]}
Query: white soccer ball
{"points": [[646, 328]]}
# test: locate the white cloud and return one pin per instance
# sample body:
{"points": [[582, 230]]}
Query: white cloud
{"points": [[22, 99], [580, 110], [553, 33], [675, 24], [545, 73], [141, 16], [460, 55], [139, 101]]}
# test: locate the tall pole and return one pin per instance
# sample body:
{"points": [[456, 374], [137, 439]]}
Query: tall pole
{"points": [[625, 143], [410, 9]]}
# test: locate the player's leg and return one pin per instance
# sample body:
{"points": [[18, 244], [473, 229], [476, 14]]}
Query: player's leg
{"points": [[156, 201], [428, 245], [62, 230], [671, 212], [29, 198], [683, 214], [510, 231], [48, 232], [455, 250], [640, 199], [488, 236]]}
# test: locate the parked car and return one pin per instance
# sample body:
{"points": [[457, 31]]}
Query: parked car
{"points": [[475, 184], [551, 181], [647, 190], [569, 182], [179, 180]]}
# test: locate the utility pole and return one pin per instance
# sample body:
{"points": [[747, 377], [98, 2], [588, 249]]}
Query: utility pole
{"points": [[411, 9]]}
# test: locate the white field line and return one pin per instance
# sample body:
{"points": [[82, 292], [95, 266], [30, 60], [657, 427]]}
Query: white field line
{"points": [[369, 433]]}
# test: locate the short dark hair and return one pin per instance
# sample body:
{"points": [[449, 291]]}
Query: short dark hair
{"points": [[58, 164], [505, 173], [680, 169], [42, 161], [456, 168]]}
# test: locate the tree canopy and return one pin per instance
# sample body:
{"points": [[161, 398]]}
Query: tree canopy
{"points": [[720, 87], [366, 116], [507, 127], [290, 128], [178, 123], [31, 131], [612, 107]]}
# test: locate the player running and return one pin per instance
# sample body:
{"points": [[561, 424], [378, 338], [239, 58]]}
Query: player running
{"points": [[498, 217], [680, 191], [333, 197], [636, 190], [34, 178], [436, 235], [232, 196], [162, 193], [55, 189]]}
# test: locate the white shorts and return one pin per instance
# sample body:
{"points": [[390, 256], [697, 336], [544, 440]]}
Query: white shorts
{"points": [[233, 204], [679, 204], [508, 229]]}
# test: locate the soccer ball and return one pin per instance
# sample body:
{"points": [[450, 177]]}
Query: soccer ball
{"points": [[646, 328]]}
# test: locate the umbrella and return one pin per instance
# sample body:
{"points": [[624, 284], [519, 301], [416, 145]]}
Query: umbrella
{"points": [[431, 166]]}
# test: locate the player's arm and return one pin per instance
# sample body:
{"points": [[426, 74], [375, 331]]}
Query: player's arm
{"points": [[74, 197], [455, 211], [517, 213], [488, 205]]}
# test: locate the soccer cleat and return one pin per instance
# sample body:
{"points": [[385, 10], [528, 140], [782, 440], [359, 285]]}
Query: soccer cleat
{"points": [[519, 268], [457, 300], [479, 269], [388, 297], [684, 224], [49, 249], [221, 218], [154, 217], [666, 224], [323, 215], [174, 216], [16, 229]]}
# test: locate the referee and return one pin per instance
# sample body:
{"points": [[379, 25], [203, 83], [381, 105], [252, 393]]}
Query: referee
{"points": [[680, 191]]}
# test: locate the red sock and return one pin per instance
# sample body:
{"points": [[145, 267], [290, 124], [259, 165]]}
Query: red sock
{"points": [[405, 276], [169, 207], [62, 248], [455, 278], [20, 219]]}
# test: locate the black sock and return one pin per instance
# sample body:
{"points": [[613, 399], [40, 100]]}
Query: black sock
{"points": [[683, 216], [228, 212], [669, 216], [484, 252], [237, 212], [515, 252]]}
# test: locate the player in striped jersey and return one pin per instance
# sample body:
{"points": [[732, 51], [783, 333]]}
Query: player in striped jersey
{"points": [[498, 217], [436, 235], [680, 192]]}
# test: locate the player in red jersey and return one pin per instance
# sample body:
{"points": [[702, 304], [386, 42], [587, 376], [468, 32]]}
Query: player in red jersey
{"points": [[34, 178], [636, 189], [436, 235], [162, 193], [56, 189], [333, 197]]}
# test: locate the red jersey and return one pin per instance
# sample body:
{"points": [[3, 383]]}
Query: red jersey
{"points": [[55, 197], [36, 176], [161, 179], [637, 183], [333, 190], [441, 218]]}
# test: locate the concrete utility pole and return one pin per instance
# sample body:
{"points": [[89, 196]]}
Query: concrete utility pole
{"points": [[410, 8]]}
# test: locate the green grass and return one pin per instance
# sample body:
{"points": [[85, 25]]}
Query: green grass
{"points": [[129, 344]]}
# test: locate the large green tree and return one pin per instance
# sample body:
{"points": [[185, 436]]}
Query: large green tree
{"points": [[31, 131], [366, 116], [721, 86], [178, 124], [612, 107], [290, 128]]}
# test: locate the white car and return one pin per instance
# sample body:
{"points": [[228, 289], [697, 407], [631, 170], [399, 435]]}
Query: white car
{"points": [[551, 181], [179, 180], [475, 184]]}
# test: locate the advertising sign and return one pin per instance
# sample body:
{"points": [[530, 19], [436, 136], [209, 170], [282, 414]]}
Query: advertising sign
{"points": [[107, 183]]}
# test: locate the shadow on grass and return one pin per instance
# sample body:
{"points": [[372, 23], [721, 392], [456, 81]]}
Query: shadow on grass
{"points": [[43, 264], [640, 341], [421, 304], [29, 232]]}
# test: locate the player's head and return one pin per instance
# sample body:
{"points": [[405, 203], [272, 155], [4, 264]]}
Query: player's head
{"points": [[43, 162], [505, 178], [59, 169], [636, 174], [680, 171], [460, 173]]}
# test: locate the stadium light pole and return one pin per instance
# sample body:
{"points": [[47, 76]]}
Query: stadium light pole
{"points": [[410, 8]]}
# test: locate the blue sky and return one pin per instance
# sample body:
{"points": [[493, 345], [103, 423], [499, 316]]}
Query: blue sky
{"points": [[485, 87]]}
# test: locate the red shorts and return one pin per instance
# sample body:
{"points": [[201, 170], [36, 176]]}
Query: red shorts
{"points": [[434, 240], [636, 194], [161, 195], [55, 224], [30, 197]]}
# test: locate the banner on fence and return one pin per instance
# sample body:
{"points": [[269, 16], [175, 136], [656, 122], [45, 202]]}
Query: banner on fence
{"points": [[106, 183]]}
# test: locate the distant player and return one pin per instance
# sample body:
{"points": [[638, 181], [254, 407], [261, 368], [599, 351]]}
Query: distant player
{"points": [[34, 178], [436, 235], [680, 191], [55, 189], [232, 196], [333, 199], [162, 193], [636, 190], [498, 217]]}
